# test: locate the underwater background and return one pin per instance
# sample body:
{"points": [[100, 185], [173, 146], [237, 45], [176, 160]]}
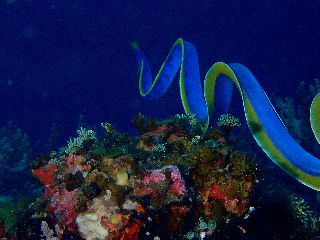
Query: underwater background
{"points": [[69, 64]]}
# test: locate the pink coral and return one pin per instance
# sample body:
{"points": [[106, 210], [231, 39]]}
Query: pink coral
{"points": [[75, 163], [178, 186], [73, 159], [155, 177], [63, 206]]}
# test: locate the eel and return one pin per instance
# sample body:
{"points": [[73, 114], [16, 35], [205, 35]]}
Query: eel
{"points": [[264, 123]]}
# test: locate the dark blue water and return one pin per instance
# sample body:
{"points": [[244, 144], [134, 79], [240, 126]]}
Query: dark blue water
{"points": [[63, 59], [69, 63]]}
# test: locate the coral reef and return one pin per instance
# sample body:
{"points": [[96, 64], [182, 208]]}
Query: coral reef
{"points": [[168, 182]]}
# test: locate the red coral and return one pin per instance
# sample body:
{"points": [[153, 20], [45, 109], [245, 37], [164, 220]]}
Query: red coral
{"points": [[216, 192], [131, 232], [63, 206], [232, 204], [46, 174]]}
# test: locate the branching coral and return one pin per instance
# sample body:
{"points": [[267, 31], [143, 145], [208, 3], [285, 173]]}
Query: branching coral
{"points": [[304, 212], [228, 120], [78, 143]]}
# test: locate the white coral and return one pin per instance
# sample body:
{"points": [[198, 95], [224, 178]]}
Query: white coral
{"points": [[75, 144], [89, 223], [47, 232]]}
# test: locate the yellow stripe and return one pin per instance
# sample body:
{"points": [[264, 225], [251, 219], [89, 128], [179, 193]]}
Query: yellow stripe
{"points": [[314, 117], [255, 126]]}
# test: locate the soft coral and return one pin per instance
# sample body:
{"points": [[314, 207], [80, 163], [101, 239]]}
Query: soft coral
{"points": [[45, 174], [63, 206]]}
